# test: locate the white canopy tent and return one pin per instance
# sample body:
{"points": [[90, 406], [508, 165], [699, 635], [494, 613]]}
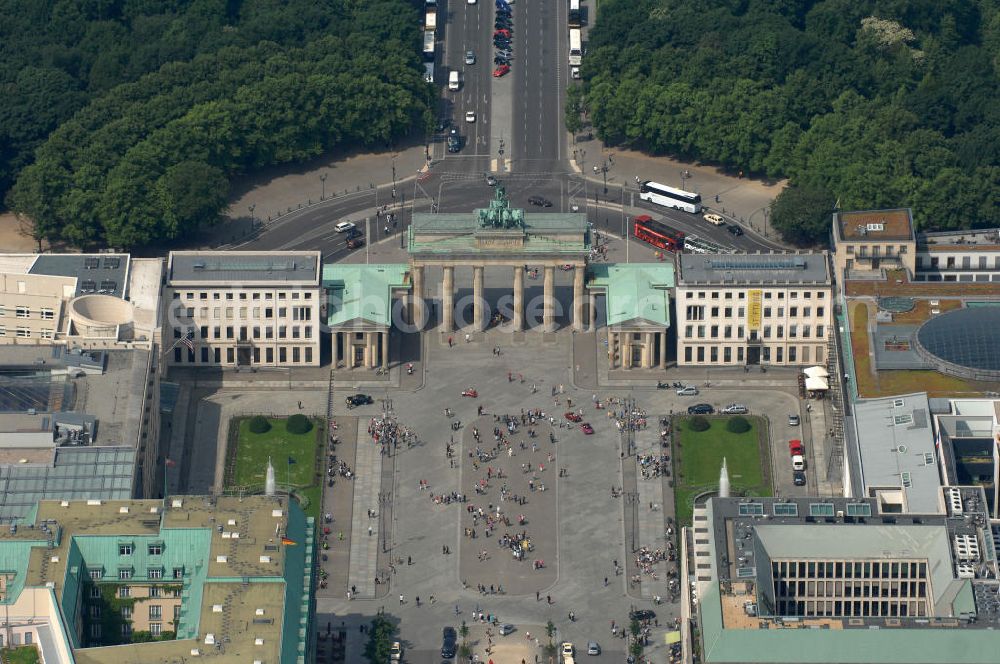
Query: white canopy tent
{"points": [[816, 384], [816, 372]]}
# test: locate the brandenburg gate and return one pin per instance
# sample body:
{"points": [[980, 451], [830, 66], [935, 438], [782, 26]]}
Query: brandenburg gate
{"points": [[498, 236]]}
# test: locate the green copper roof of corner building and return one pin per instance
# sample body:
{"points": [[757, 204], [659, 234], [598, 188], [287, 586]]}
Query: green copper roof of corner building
{"points": [[635, 291], [362, 292]]}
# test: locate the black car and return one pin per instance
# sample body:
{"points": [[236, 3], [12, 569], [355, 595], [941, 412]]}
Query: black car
{"points": [[641, 614], [442, 124], [355, 242], [359, 400], [500, 60], [448, 639], [701, 409], [539, 201], [735, 230], [799, 477], [353, 233], [454, 141]]}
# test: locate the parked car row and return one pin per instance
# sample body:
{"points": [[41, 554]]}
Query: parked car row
{"points": [[502, 29]]}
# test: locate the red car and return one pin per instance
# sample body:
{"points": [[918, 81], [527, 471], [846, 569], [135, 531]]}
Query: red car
{"points": [[471, 392], [795, 447], [586, 428], [500, 71], [573, 417], [502, 32]]}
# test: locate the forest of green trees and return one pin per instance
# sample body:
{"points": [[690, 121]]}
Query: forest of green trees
{"points": [[122, 121], [872, 103]]}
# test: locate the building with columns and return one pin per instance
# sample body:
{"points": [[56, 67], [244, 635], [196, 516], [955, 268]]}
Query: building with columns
{"points": [[360, 306], [752, 309], [638, 311], [498, 235]]}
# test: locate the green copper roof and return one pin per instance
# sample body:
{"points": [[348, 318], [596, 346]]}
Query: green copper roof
{"points": [[635, 291], [362, 292], [14, 560]]}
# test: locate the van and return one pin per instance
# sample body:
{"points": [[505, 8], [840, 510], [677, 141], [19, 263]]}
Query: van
{"points": [[453, 80]]}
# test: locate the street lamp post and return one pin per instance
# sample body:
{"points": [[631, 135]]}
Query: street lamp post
{"points": [[252, 207], [684, 176], [322, 179], [394, 178]]}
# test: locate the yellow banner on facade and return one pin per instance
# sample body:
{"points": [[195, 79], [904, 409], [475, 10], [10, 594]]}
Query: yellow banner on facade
{"points": [[754, 311]]}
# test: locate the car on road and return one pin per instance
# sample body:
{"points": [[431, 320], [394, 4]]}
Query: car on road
{"points": [[345, 226], [799, 477], [491, 181], [574, 73], [715, 219], [353, 233], [573, 417], [793, 420], [355, 242], [566, 649], [470, 57], [795, 448], [798, 462], [449, 639], [593, 648], [687, 391], [506, 629], [586, 428], [701, 409], [735, 409], [395, 652], [470, 116], [735, 230], [500, 71], [359, 400], [539, 201], [454, 141], [470, 2], [442, 124], [641, 614]]}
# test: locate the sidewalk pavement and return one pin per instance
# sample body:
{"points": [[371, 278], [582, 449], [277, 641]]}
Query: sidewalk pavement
{"points": [[364, 529], [273, 191]]}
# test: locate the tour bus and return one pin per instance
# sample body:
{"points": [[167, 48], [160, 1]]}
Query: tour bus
{"points": [[661, 194], [574, 13], [575, 48], [658, 234], [453, 83], [429, 40]]}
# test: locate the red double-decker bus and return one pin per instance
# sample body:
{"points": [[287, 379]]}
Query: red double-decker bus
{"points": [[657, 233]]}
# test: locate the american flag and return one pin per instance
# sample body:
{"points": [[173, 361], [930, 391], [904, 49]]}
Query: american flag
{"points": [[187, 341]]}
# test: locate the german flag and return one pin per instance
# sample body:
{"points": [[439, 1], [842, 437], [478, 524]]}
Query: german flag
{"points": [[288, 542]]}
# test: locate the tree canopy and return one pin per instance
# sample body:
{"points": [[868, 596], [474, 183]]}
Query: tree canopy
{"points": [[123, 121], [880, 103]]}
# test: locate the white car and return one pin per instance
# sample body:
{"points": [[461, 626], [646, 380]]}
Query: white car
{"points": [[798, 462], [714, 219], [470, 116], [471, 2], [574, 72], [345, 226], [396, 652]]}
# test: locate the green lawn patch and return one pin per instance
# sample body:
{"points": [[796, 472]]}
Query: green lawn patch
{"points": [[295, 456], [698, 458], [21, 655]]}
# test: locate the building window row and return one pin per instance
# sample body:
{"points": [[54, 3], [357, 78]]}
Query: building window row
{"points": [[243, 295], [768, 332], [737, 354], [741, 295], [267, 355]]}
